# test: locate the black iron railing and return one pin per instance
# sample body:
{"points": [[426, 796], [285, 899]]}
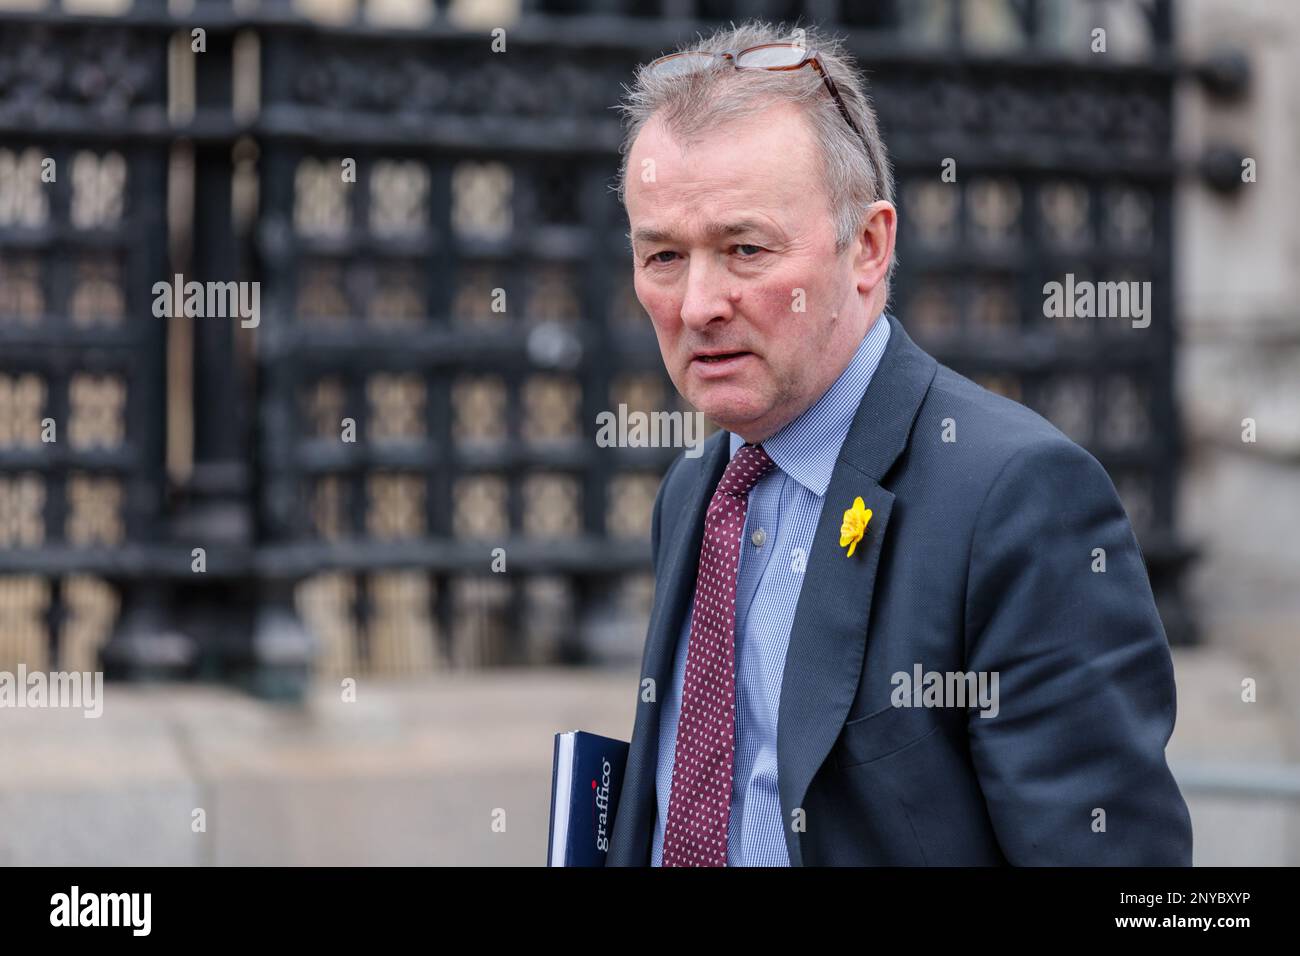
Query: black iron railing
{"points": [[446, 306]]}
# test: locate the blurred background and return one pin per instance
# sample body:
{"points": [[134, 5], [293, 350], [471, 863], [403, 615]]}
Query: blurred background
{"points": [[349, 570]]}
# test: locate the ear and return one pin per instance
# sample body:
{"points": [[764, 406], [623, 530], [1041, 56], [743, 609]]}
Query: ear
{"points": [[874, 247]]}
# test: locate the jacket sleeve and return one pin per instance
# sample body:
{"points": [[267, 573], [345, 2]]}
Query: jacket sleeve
{"points": [[1073, 765]]}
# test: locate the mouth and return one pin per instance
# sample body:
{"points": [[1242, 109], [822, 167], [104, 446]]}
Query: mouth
{"points": [[718, 358], [713, 365]]}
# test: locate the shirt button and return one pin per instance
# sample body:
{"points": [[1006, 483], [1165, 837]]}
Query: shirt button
{"points": [[758, 537]]}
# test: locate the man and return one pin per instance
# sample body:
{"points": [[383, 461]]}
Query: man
{"points": [[865, 516]]}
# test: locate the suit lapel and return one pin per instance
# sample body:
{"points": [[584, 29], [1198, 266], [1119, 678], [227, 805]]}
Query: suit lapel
{"points": [[634, 821], [828, 639]]}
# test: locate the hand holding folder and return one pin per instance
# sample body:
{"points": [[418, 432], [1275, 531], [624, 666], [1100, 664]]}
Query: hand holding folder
{"points": [[586, 781]]}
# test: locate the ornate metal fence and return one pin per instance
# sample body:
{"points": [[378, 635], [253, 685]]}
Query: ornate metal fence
{"points": [[446, 305], [83, 157]]}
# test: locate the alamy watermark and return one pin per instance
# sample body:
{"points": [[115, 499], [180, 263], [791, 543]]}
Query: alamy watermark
{"points": [[1086, 299], [62, 689], [960, 689], [651, 430], [210, 300], [75, 908]]}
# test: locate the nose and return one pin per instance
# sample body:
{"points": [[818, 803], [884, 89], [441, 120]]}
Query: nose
{"points": [[707, 295]]}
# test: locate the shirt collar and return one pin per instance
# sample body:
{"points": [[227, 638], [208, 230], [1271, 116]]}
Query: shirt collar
{"points": [[806, 449]]}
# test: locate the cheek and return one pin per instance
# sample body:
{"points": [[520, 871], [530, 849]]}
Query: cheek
{"points": [[772, 307], [663, 308], [796, 304]]}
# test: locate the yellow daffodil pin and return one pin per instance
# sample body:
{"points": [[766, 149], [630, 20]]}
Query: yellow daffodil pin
{"points": [[854, 526]]}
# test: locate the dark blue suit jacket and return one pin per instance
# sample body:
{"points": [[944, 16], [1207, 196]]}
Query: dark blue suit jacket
{"points": [[978, 557]]}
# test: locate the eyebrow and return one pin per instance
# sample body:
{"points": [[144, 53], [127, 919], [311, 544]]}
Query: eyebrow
{"points": [[713, 230]]}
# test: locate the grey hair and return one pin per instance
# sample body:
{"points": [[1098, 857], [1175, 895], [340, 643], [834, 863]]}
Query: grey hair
{"points": [[690, 105]]}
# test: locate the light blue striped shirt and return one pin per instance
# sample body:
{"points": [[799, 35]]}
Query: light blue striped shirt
{"points": [[784, 508]]}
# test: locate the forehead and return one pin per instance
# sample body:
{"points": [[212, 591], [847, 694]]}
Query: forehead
{"points": [[765, 163]]}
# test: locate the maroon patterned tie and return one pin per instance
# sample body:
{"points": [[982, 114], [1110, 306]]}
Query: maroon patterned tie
{"points": [[699, 802]]}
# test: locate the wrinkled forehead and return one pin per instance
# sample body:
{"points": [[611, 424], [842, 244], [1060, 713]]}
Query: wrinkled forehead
{"points": [[765, 162]]}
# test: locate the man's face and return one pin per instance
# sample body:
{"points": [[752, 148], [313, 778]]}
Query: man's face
{"points": [[734, 260]]}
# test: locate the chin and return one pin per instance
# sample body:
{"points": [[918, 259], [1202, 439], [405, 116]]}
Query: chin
{"points": [[730, 415], [731, 403]]}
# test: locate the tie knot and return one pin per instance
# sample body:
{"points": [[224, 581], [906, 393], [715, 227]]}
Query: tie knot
{"points": [[749, 464]]}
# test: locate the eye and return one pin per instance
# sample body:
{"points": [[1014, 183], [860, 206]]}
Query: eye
{"points": [[655, 260], [748, 245]]}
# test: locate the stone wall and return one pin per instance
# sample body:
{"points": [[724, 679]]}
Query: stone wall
{"points": [[1237, 258]]}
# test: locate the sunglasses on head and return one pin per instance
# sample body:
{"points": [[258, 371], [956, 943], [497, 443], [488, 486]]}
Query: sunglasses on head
{"points": [[765, 56]]}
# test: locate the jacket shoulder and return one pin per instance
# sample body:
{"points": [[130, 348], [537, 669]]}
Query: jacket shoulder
{"points": [[983, 431]]}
